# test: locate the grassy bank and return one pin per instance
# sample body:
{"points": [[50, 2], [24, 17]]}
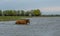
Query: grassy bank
{"points": [[12, 18]]}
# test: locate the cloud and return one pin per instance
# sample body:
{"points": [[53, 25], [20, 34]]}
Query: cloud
{"points": [[4, 1], [30, 4], [50, 9]]}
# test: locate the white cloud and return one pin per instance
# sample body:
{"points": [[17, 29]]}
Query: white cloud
{"points": [[50, 9]]}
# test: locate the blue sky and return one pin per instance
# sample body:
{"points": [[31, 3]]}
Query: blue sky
{"points": [[46, 6]]}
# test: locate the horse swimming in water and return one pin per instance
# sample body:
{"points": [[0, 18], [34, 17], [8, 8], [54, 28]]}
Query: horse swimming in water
{"points": [[23, 21]]}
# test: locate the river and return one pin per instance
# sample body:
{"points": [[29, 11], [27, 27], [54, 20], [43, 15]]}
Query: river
{"points": [[39, 26]]}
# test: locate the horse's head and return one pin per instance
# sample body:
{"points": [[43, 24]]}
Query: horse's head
{"points": [[28, 21]]}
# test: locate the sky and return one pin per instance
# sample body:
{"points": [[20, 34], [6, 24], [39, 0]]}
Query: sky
{"points": [[46, 6]]}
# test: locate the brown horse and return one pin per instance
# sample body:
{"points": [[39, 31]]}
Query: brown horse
{"points": [[23, 21]]}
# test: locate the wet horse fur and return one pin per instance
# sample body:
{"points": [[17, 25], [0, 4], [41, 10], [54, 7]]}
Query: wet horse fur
{"points": [[23, 21]]}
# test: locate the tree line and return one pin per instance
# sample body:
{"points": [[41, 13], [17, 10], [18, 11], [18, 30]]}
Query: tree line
{"points": [[35, 12]]}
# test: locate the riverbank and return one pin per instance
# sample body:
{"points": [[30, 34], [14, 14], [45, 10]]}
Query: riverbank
{"points": [[12, 18]]}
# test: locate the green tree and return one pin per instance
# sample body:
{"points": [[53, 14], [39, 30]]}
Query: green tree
{"points": [[1, 13], [31, 11], [37, 12], [14, 12], [22, 12], [5, 12], [27, 13], [9, 13], [18, 13]]}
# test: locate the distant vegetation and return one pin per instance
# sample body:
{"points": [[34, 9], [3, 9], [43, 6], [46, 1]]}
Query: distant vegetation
{"points": [[35, 12], [8, 15], [51, 15]]}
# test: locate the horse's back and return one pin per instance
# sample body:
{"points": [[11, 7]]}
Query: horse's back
{"points": [[22, 21]]}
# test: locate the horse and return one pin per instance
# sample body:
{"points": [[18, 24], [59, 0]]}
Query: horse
{"points": [[23, 21]]}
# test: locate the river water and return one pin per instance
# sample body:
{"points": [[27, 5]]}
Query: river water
{"points": [[39, 26]]}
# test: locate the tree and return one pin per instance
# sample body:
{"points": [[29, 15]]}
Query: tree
{"points": [[37, 12], [18, 13], [22, 12], [5, 12], [9, 13], [32, 14], [1, 13], [27, 13], [14, 12]]}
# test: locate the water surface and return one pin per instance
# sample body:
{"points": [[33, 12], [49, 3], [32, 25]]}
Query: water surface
{"points": [[39, 26]]}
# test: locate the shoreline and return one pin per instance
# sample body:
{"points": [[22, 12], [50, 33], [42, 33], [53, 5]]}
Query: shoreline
{"points": [[14, 18]]}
